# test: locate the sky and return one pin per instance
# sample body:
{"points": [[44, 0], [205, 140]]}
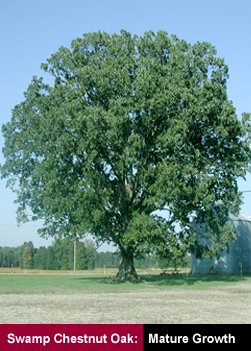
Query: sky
{"points": [[30, 31]]}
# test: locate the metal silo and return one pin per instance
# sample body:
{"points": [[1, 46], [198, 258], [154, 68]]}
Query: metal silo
{"points": [[239, 255]]}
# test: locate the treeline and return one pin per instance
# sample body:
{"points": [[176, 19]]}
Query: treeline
{"points": [[60, 256]]}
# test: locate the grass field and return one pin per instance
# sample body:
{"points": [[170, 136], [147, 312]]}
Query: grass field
{"points": [[90, 298], [100, 282]]}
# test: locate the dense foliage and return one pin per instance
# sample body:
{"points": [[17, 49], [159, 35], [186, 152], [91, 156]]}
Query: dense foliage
{"points": [[132, 126]]}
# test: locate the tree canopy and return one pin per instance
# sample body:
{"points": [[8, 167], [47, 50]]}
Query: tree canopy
{"points": [[133, 127]]}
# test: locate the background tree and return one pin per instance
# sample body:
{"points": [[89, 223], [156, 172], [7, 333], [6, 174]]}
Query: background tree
{"points": [[81, 256], [9, 256], [28, 252], [90, 253], [63, 253], [51, 262], [132, 125], [40, 259]]}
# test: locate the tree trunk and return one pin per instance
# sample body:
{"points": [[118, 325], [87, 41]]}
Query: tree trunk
{"points": [[126, 267]]}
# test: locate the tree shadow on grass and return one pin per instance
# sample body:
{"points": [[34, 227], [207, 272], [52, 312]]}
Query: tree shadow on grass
{"points": [[192, 279], [170, 280]]}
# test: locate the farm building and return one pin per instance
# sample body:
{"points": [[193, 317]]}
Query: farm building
{"points": [[239, 255]]}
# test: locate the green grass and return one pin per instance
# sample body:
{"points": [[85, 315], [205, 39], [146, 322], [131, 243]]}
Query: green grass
{"points": [[98, 283]]}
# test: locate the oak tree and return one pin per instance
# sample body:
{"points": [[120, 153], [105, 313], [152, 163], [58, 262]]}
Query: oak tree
{"points": [[134, 140]]}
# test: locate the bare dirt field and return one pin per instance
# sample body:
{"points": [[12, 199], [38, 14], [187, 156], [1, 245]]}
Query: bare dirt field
{"points": [[220, 305]]}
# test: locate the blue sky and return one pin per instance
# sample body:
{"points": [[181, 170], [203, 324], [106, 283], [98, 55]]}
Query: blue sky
{"points": [[30, 31]]}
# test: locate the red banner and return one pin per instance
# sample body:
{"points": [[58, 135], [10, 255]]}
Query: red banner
{"points": [[88, 337]]}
